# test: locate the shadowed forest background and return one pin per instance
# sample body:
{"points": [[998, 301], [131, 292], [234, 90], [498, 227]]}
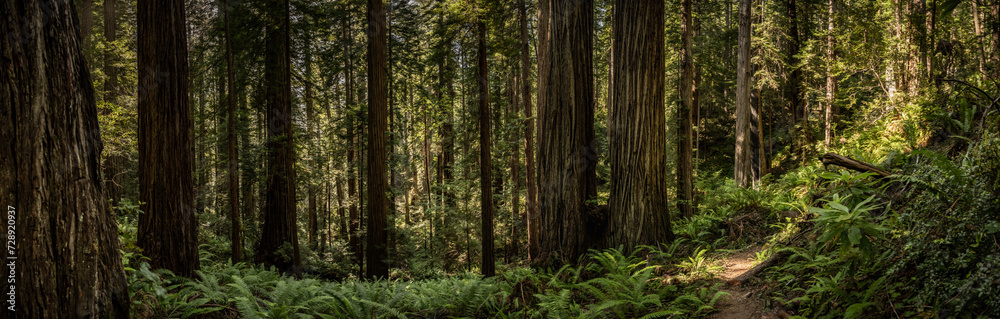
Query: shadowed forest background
{"points": [[501, 158]]}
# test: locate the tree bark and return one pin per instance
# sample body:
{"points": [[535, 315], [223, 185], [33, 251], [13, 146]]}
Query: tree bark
{"points": [[341, 210], [312, 188], [234, 194], [978, 33], [168, 227], [745, 173], [792, 95], [515, 170], [847, 162], [995, 13], [279, 229], [830, 83], [638, 209], [531, 190], [65, 258], [685, 114], [377, 117], [113, 162], [485, 158], [86, 17], [354, 240], [567, 160]]}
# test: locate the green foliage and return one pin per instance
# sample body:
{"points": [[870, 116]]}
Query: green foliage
{"points": [[609, 285], [848, 227], [698, 266]]}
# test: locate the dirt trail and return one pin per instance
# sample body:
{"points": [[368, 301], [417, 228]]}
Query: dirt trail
{"points": [[742, 302]]}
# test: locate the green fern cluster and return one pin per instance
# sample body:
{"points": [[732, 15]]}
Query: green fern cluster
{"points": [[609, 285], [613, 285]]}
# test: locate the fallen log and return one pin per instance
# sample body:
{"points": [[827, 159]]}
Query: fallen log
{"points": [[770, 261], [850, 163]]}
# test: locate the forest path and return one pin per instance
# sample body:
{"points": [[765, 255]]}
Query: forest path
{"points": [[742, 302]]}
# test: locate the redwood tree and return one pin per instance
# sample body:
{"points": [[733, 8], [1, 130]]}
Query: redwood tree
{"points": [[485, 161], [745, 171], [685, 113], [566, 157], [637, 129], [531, 191], [378, 114], [67, 248], [168, 226], [279, 226], [234, 194]]}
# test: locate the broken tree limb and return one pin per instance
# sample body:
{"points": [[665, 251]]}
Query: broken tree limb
{"points": [[770, 261], [850, 163]]}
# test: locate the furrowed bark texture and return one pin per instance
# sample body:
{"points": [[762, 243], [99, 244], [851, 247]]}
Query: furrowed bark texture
{"points": [[639, 214], [168, 226], [566, 157], [66, 247]]}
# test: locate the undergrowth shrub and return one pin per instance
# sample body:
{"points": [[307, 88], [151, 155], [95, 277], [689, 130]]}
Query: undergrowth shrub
{"points": [[928, 249]]}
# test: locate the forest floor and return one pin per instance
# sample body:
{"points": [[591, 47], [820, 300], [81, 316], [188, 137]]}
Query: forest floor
{"points": [[742, 302]]}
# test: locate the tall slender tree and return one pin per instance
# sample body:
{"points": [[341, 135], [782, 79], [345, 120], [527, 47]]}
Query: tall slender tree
{"points": [[746, 174], [485, 144], [685, 115], [354, 239], [531, 188], [637, 129], [978, 29], [830, 82], [279, 231], [114, 162], [567, 160], [168, 227], [234, 194], [377, 117], [66, 253], [995, 13], [792, 97]]}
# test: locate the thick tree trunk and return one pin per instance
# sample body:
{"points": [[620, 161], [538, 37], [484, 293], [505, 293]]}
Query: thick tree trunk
{"points": [[65, 258], [745, 173], [485, 158], [685, 114], [279, 229], [567, 160], [234, 194], [377, 117], [531, 191], [168, 227], [638, 209]]}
